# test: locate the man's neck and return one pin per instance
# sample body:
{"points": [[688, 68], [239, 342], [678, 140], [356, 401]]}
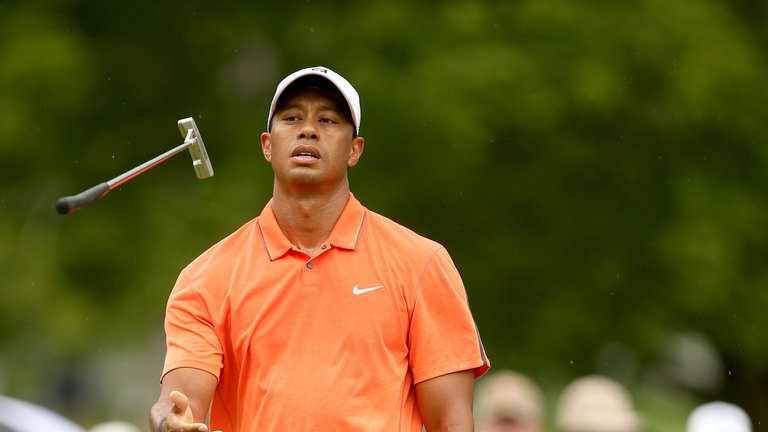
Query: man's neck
{"points": [[307, 219]]}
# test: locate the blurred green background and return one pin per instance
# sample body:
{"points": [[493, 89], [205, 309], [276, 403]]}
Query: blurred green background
{"points": [[597, 169]]}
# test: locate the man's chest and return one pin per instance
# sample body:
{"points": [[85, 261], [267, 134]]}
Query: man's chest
{"points": [[341, 305]]}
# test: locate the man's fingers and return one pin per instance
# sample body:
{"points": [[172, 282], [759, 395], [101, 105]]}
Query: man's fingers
{"points": [[180, 402], [187, 427], [180, 417], [174, 424]]}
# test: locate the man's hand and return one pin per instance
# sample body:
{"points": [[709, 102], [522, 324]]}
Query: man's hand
{"points": [[181, 419], [185, 396]]}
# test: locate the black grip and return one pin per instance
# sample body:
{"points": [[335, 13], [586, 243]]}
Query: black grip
{"points": [[71, 203]]}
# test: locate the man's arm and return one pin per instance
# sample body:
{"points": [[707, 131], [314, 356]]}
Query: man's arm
{"points": [[185, 396], [445, 402]]}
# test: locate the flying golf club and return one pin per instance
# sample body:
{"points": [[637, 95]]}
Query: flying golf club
{"points": [[192, 141]]}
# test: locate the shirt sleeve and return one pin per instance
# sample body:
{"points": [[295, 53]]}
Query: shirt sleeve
{"points": [[443, 337], [191, 340]]}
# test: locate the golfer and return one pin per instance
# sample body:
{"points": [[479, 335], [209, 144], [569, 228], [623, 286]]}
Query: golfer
{"points": [[319, 314]]}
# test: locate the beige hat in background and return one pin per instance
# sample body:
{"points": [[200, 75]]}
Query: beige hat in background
{"points": [[596, 404], [508, 394]]}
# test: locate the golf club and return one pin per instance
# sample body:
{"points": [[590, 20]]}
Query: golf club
{"points": [[192, 141]]}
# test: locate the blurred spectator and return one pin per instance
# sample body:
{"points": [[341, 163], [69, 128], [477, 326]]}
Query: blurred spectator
{"points": [[718, 417], [115, 426], [689, 362], [507, 401], [596, 404], [20, 416]]}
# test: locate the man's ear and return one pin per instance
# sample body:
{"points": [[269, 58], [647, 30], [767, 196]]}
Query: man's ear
{"points": [[266, 146], [356, 151]]}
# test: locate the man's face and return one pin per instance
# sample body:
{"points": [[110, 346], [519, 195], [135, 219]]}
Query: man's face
{"points": [[311, 141]]}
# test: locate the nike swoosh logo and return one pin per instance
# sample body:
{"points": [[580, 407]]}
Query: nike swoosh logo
{"points": [[358, 291]]}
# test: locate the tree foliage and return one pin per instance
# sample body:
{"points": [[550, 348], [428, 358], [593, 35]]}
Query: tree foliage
{"points": [[596, 169]]}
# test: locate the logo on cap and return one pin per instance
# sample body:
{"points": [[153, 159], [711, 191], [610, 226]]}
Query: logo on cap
{"points": [[319, 69]]}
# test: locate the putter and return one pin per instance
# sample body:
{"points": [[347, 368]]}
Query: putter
{"points": [[192, 141]]}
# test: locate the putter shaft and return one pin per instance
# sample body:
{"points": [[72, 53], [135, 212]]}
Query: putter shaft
{"points": [[192, 141]]}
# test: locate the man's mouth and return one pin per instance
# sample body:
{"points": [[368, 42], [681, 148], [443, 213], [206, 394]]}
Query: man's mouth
{"points": [[305, 153]]}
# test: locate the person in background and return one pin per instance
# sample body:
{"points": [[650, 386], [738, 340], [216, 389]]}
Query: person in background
{"points": [[20, 415], [596, 403], [718, 416], [507, 401], [115, 426]]}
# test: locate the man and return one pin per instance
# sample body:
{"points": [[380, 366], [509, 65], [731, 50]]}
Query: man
{"points": [[319, 315]]}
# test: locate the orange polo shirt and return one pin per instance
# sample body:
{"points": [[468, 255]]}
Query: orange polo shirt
{"points": [[334, 342]]}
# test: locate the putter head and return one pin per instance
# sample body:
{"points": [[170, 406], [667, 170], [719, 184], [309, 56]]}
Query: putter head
{"points": [[200, 160]]}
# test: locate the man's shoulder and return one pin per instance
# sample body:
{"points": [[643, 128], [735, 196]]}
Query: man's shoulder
{"points": [[212, 272], [395, 234], [226, 249]]}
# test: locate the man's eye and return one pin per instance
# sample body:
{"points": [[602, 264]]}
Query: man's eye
{"points": [[326, 120], [290, 118]]}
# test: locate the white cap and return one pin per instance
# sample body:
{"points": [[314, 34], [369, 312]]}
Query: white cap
{"points": [[115, 426], [718, 417], [338, 81]]}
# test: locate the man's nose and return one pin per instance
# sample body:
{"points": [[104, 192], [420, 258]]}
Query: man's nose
{"points": [[308, 130]]}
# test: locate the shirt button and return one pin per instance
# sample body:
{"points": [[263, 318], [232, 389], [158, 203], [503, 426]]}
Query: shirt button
{"points": [[309, 265], [324, 246]]}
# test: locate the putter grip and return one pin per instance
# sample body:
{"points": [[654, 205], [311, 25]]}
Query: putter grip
{"points": [[68, 204]]}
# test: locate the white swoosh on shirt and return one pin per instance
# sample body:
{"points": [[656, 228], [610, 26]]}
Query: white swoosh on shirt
{"points": [[358, 291]]}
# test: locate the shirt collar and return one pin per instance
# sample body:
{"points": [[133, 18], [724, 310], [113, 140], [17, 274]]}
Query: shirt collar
{"points": [[345, 233]]}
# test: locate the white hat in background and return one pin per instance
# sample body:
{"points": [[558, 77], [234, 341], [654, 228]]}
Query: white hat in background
{"points": [[21, 416], [718, 417], [339, 82], [115, 426]]}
